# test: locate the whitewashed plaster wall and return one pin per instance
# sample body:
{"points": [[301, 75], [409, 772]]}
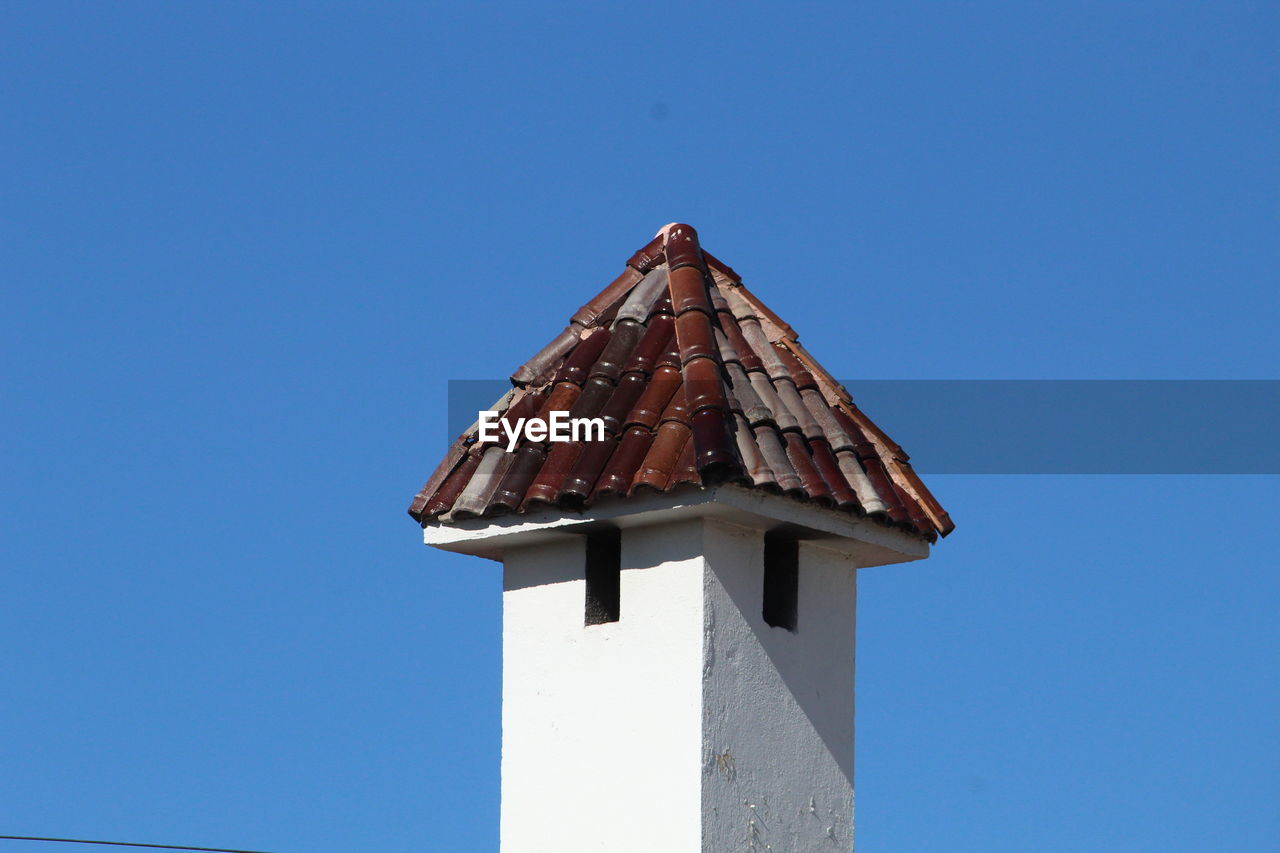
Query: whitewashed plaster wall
{"points": [[601, 725], [777, 712]]}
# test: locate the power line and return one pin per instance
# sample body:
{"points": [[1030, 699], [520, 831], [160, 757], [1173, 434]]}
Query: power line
{"points": [[126, 844]]}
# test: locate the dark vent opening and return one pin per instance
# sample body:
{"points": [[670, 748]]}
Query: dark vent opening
{"points": [[781, 579], [604, 576]]}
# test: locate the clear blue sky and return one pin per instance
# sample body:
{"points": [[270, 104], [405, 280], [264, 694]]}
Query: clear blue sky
{"points": [[245, 245]]}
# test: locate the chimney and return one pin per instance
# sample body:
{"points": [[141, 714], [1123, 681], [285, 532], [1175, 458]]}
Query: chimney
{"points": [[680, 583]]}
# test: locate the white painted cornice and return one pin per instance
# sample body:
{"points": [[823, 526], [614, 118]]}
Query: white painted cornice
{"points": [[866, 542]]}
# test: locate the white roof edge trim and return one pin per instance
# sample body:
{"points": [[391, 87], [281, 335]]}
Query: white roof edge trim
{"points": [[866, 541]]}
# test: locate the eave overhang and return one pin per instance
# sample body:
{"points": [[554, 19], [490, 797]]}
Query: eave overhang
{"points": [[864, 541]]}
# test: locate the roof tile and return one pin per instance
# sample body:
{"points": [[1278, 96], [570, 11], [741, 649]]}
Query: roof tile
{"points": [[767, 439], [640, 302], [630, 386], [453, 485], [474, 499], [547, 484], [696, 340], [689, 291], [620, 472], [712, 447], [648, 409], [577, 367], [825, 461], [810, 480], [586, 471], [761, 474], [657, 338], [663, 454]]}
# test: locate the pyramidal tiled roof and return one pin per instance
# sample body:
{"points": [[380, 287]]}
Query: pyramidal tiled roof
{"points": [[698, 383]]}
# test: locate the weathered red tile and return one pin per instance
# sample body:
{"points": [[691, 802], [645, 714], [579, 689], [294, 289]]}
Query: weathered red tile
{"points": [[446, 466], [663, 305], [555, 470], [703, 385], [582, 480], [615, 411], [670, 358], [689, 291], [751, 407], [577, 367], [607, 299], [752, 331], [694, 337], [663, 454], [796, 408], [686, 471], [797, 371], [563, 396], [640, 301], [527, 405], [474, 499], [876, 472], [625, 337], [768, 395], [733, 332], [595, 394], [810, 480], [821, 412], [714, 452], [510, 492], [825, 461], [546, 358], [624, 462], [649, 256], [648, 409], [760, 473], [770, 444], [452, 486], [653, 344], [677, 407]]}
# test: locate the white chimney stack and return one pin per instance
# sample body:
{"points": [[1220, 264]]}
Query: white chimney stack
{"points": [[690, 722]]}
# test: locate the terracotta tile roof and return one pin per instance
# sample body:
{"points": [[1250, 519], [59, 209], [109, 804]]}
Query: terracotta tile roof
{"points": [[698, 383]]}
